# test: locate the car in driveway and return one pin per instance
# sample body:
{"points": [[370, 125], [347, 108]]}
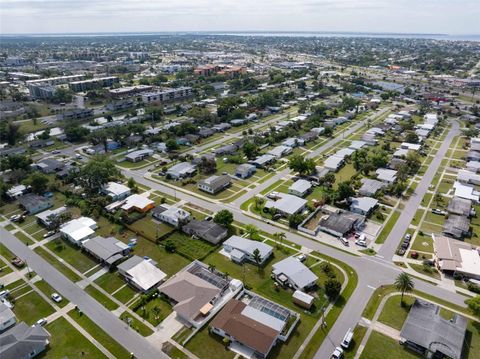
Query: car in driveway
{"points": [[438, 211], [57, 298], [17, 218], [361, 242], [40, 322], [408, 236], [337, 353], [49, 234]]}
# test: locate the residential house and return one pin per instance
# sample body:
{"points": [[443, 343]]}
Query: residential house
{"points": [[46, 217], [207, 230], [454, 256], [116, 191], [7, 317], [214, 184], [245, 170], [280, 151], [49, 165], [333, 163], [263, 160], [240, 249], [466, 192], [287, 204], [137, 202], [172, 215], [473, 166], [363, 205], [107, 250], [370, 187], [425, 331], [293, 273], [34, 203], [181, 170], [141, 273], [78, 230], [23, 341], [460, 207], [139, 155], [300, 188], [385, 175], [468, 177], [17, 191], [456, 226]]}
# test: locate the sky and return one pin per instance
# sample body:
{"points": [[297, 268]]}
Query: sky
{"points": [[392, 16]]}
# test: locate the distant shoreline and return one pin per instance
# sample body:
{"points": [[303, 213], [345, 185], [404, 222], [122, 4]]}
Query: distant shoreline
{"points": [[329, 34]]}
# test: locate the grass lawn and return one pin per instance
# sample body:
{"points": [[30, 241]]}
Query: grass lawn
{"points": [[24, 238], [423, 243], [72, 255], [31, 308], [136, 325], [110, 282], [393, 314], [66, 341], [420, 269], [387, 227], [158, 304], [173, 352], [125, 294], [430, 228], [48, 291], [57, 264], [100, 335], [358, 334], [208, 345], [380, 346], [435, 218], [149, 228], [344, 174], [101, 298], [4, 269], [188, 247]]}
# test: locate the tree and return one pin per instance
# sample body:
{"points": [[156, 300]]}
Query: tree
{"points": [[223, 217], [55, 221], [411, 137], [259, 202], [62, 95], [251, 230], [279, 237], [10, 132], [344, 190], [332, 288], [257, 257], [97, 172], [207, 165], [404, 283], [474, 305], [250, 150], [170, 246], [302, 165], [295, 219], [76, 133], [171, 145], [38, 182]]}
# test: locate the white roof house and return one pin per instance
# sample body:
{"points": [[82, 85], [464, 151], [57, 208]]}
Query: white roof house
{"points": [[181, 170], [457, 256], [410, 146], [363, 205], [333, 163], [401, 152], [116, 190], [465, 191], [300, 188], [142, 273], [296, 273], [356, 145], [171, 215], [240, 249], [386, 175], [137, 202], [344, 152], [473, 166], [468, 177], [79, 229], [280, 151], [287, 204]]}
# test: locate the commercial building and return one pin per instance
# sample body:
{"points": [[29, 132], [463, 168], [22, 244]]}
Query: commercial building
{"points": [[167, 95], [99, 82]]}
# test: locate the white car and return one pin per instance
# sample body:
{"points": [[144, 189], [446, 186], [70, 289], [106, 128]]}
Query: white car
{"points": [[337, 353], [361, 242], [56, 297], [41, 322]]}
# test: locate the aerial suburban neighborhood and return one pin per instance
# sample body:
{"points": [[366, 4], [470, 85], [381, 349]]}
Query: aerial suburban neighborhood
{"points": [[239, 196]]}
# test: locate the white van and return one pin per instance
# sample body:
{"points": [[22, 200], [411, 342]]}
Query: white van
{"points": [[347, 339], [344, 241]]}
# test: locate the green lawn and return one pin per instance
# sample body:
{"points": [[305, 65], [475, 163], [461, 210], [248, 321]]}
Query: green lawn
{"points": [[72, 255], [31, 308], [101, 298], [125, 294], [68, 342], [430, 228], [188, 247], [149, 228], [136, 325], [24, 238], [380, 346], [57, 264], [100, 335], [420, 269], [208, 345], [423, 243], [435, 218], [48, 291], [387, 227], [155, 311], [110, 282], [173, 352], [358, 334], [393, 314]]}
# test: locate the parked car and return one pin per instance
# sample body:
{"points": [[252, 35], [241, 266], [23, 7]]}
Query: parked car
{"points": [[55, 152], [408, 236], [41, 322], [17, 262], [361, 242], [414, 255], [344, 241], [17, 218], [337, 353], [48, 234], [438, 211], [302, 257], [4, 293], [273, 195], [56, 297], [347, 339], [401, 251]]}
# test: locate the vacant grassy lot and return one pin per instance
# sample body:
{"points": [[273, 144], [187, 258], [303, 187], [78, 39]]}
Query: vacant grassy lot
{"points": [[100, 335], [72, 255], [150, 229], [32, 307], [380, 346], [188, 247], [68, 342]]}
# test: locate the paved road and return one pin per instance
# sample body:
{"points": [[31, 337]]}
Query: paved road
{"points": [[396, 234], [117, 329]]}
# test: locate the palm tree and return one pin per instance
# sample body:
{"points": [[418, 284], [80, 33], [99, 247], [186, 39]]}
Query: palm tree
{"points": [[257, 257], [404, 283], [279, 237], [259, 202], [251, 230]]}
